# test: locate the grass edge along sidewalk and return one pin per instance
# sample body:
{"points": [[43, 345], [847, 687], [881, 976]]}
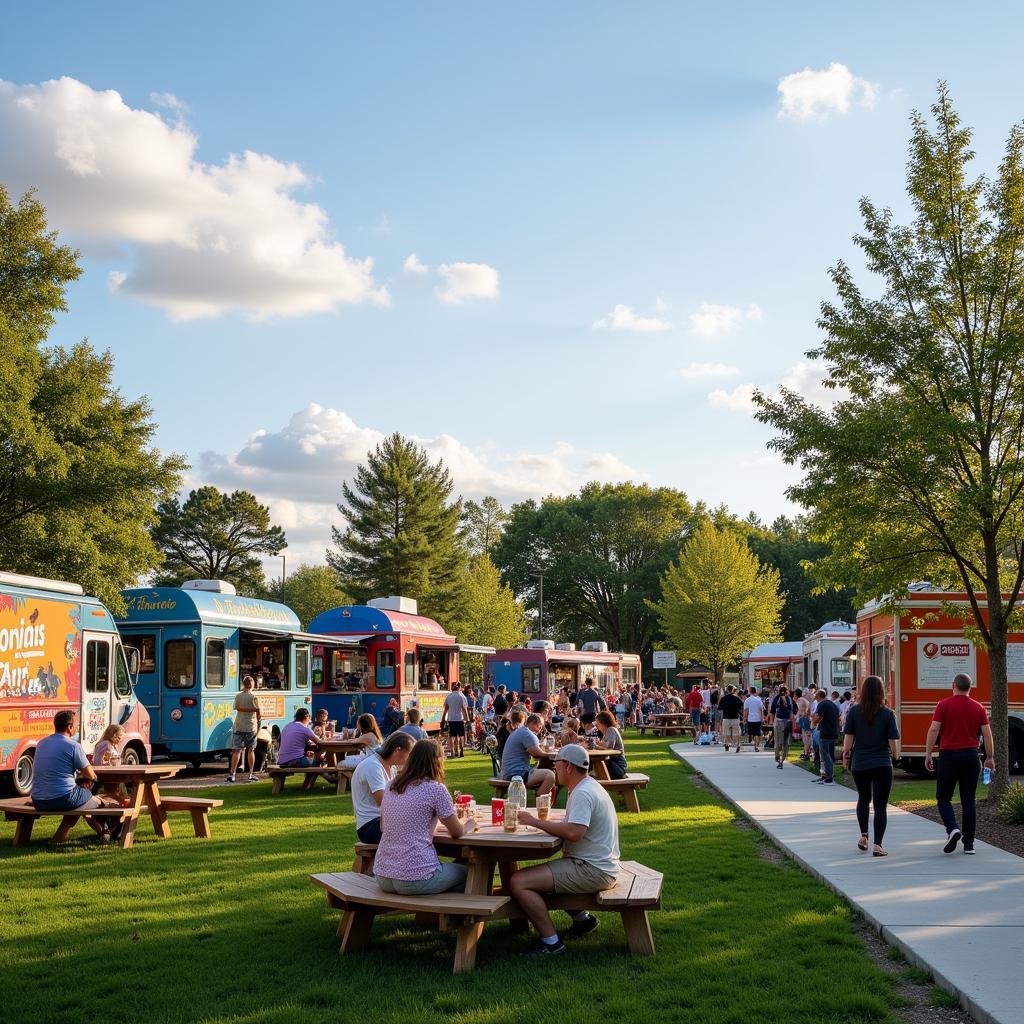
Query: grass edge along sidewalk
{"points": [[228, 930], [974, 961]]}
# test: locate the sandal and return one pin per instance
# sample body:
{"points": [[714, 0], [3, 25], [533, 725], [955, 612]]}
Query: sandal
{"points": [[879, 852], [862, 843]]}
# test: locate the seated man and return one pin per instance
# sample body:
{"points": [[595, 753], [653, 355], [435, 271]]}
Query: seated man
{"points": [[590, 852], [371, 778], [521, 745], [295, 737], [412, 726], [57, 760]]}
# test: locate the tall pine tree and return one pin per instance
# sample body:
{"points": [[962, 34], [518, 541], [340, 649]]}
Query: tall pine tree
{"points": [[402, 531]]}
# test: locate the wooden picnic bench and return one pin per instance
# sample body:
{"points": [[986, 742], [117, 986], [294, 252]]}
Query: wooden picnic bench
{"points": [[636, 892], [677, 729], [340, 777], [21, 811], [628, 787]]}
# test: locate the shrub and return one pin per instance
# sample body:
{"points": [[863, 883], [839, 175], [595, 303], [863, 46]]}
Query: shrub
{"points": [[1011, 805]]}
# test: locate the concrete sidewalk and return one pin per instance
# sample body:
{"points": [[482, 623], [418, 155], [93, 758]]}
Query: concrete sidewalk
{"points": [[960, 917]]}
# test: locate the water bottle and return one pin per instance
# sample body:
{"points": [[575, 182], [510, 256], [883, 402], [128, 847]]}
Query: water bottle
{"points": [[517, 792], [986, 776]]}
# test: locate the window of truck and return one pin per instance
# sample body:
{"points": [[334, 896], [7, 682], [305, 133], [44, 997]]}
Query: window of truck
{"points": [[301, 668], [122, 680], [385, 670], [215, 664], [531, 679], [179, 664], [145, 644], [97, 666]]}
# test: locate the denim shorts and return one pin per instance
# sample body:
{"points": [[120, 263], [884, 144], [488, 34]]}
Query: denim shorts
{"points": [[78, 798], [448, 876]]}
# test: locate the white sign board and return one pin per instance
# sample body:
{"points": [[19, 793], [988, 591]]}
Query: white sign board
{"points": [[1015, 663], [940, 658], [664, 659]]}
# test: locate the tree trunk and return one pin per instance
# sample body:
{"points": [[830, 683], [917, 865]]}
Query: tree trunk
{"points": [[999, 714]]}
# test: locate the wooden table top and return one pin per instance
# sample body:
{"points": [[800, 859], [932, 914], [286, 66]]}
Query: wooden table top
{"points": [[525, 839], [136, 772], [340, 746]]}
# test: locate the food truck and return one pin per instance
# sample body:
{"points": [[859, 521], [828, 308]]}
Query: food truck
{"points": [[391, 652], [195, 644], [828, 657], [918, 650], [768, 665], [541, 668], [60, 651]]}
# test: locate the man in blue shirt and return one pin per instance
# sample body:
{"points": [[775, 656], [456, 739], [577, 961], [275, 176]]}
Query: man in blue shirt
{"points": [[57, 760], [519, 748]]}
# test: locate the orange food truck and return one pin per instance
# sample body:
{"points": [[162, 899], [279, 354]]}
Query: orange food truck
{"points": [[60, 651], [918, 651]]}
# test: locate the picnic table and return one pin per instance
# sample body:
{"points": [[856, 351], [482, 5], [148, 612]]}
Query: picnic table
{"points": [[333, 747], [668, 723], [598, 761]]}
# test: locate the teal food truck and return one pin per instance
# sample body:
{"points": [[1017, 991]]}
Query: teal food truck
{"points": [[195, 643]]}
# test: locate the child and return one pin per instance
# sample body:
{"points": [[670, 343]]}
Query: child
{"points": [[570, 732], [109, 745]]}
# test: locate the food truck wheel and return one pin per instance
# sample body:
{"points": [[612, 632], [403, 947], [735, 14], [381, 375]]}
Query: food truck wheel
{"points": [[132, 756], [21, 777]]}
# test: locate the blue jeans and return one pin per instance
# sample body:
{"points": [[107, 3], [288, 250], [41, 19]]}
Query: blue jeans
{"points": [[447, 876], [827, 750], [299, 762], [78, 798]]}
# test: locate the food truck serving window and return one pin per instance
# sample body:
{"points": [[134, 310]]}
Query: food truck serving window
{"points": [[179, 664], [628, 675], [385, 670], [215, 664], [97, 666]]}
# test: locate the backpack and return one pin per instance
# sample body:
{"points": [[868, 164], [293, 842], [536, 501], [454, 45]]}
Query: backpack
{"points": [[704, 740]]}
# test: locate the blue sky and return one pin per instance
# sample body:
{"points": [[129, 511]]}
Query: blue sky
{"points": [[563, 162]]}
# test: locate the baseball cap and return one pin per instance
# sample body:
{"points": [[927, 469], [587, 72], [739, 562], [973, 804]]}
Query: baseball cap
{"points": [[574, 754]]}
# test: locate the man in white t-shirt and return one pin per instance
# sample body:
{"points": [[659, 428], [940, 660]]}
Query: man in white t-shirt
{"points": [[753, 716], [455, 713], [371, 778], [590, 852]]}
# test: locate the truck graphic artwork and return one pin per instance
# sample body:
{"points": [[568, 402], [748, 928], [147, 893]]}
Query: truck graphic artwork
{"points": [[34, 663]]}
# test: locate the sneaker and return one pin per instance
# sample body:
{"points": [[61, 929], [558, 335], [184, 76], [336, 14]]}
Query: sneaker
{"points": [[587, 925], [951, 840], [778, 764], [828, 782], [969, 849], [253, 778], [543, 949], [230, 778]]}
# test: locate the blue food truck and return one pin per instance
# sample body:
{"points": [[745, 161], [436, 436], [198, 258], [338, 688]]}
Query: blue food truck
{"points": [[195, 643]]}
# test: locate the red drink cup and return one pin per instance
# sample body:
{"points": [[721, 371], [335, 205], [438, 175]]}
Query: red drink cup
{"points": [[497, 811]]}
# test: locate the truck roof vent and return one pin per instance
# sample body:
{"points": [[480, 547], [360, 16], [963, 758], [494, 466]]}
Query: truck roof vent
{"points": [[211, 586]]}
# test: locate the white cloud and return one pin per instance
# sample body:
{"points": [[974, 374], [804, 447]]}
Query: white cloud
{"points": [[710, 320], [660, 305], [200, 239], [624, 318], [465, 282], [298, 469], [740, 399], [695, 370], [413, 267], [168, 101], [813, 95]]}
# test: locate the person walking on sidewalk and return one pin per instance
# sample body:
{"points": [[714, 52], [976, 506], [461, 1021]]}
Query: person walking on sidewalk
{"points": [[781, 711], [960, 719], [870, 746], [731, 707], [826, 721], [803, 713], [753, 715]]}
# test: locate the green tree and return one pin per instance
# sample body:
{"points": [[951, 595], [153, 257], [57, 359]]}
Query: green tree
{"points": [[490, 616], [718, 600], [918, 470], [402, 531], [79, 477], [312, 589], [602, 553], [217, 536], [483, 524], [787, 546]]}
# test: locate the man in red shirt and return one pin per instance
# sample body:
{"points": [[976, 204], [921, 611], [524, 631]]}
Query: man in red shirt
{"points": [[694, 702], [960, 719]]}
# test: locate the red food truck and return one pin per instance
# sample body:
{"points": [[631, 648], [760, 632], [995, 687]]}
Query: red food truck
{"points": [[60, 651], [918, 651], [541, 668]]}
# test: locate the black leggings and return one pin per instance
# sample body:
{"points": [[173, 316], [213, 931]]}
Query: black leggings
{"points": [[873, 786]]}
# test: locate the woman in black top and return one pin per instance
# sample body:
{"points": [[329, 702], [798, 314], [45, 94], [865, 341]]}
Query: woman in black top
{"points": [[870, 746]]}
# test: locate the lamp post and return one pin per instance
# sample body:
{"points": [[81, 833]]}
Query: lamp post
{"points": [[540, 606], [284, 570]]}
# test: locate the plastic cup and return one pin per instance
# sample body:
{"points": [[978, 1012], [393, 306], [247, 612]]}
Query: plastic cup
{"points": [[497, 811], [510, 820], [544, 806]]}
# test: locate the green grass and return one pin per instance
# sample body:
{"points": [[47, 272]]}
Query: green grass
{"points": [[230, 930]]}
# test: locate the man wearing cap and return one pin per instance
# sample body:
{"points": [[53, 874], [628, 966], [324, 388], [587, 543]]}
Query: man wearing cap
{"points": [[590, 852]]}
